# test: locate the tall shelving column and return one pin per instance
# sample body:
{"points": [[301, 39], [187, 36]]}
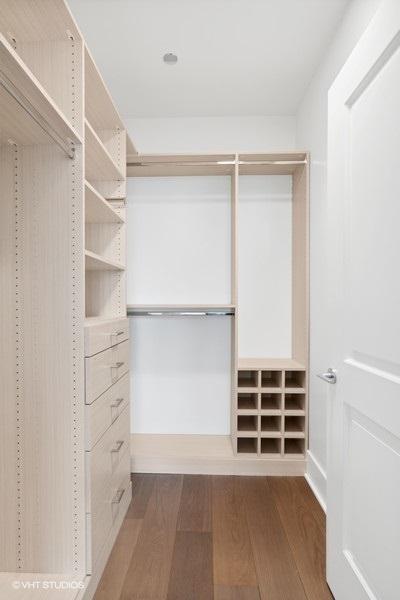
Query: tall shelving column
{"points": [[42, 435]]}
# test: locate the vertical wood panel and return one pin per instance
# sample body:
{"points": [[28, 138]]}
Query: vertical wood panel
{"points": [[11, 311]]}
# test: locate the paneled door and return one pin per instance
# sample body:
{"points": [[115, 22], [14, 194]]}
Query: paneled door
{"points": [[363, 536]]}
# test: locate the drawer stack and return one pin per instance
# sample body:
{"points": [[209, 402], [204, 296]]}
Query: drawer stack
{"points": [[107, 432]]}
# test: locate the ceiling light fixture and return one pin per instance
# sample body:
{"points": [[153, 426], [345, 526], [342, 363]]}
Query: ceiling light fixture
{"points": [[170, 58]]}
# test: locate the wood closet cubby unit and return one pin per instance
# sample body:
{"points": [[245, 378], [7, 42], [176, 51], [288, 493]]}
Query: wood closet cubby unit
{"points": [[62, 228], [268, 301], [272, 300]]}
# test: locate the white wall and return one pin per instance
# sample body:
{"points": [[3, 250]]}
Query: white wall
{"points": [[212, 134], [180, 375], [265, 266], [179, 241], [311, 134]]}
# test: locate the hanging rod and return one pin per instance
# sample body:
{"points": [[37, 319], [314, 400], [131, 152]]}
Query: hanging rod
{"points": [[175, 313], [65, 145], [161, 311], [218, 162]]}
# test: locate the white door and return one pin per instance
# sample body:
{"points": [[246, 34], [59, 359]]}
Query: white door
{"points": [[363, 526]]}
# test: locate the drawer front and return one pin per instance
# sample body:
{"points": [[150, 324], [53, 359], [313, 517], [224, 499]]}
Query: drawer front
{"points": [[104, 369], [104, 462], [103, 335], [108, 471], [104, 411], [99, 532]]}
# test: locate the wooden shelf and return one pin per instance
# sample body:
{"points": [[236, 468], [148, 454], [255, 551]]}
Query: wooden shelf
{"points": [[280, 364], [160, 165], [100, 108], [39, 22], [97, 209], [99, 164], [17, 124], [95, 262]]}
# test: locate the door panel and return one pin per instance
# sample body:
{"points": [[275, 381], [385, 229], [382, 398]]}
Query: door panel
{"points": [[363, 525]]}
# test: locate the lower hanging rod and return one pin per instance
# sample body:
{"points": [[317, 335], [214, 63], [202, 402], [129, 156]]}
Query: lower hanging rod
{"points": [[179, 313], [65, 145]]}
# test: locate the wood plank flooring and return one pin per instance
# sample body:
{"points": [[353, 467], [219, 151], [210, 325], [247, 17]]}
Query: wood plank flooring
{"points": [[197, 537]]}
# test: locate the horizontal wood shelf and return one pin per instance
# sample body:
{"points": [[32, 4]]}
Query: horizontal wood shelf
{"points": [[100, 108], [281, 364], [97, 209], [95, 262], [98, 162], [21, 125]]}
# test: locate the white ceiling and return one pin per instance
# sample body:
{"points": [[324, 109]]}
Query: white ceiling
{"points": [[236, 57]]}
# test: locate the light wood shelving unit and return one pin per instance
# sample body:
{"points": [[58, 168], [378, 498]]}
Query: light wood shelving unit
{"points": [[269, 422], [95, 262], [97, 209], [62, 226]]}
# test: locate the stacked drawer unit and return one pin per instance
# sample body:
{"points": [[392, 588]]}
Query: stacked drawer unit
{"points": [[107, 435]]}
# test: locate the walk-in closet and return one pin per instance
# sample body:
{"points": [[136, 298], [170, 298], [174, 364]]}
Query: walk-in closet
{"points": [[219, 300], [199, 380]]}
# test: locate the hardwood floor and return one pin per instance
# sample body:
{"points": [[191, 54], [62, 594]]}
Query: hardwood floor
{"points": [[196, 537]]}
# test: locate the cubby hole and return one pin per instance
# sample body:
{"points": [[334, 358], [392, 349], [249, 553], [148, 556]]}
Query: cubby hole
{"points": [[294, 446], [294, 424], [271, 423], [247, 445], [270, 446], [295, 401], [295, 379], [271, 379], [247, 423], [247, 401], [270, 401], [248, 379]]}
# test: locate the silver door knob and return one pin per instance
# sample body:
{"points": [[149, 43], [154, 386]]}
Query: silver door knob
{"points": [[329, 376]]}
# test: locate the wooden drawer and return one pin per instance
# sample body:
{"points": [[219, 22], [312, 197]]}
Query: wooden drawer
{"points": [[104, 369], [102, 334], [104, 411], [108, 470], [103, 461], [97, 537]]}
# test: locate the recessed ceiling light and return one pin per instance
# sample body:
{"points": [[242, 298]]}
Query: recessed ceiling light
{"points": [[170, 58]]}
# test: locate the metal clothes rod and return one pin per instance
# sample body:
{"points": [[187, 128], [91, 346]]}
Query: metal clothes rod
{"points": [[66, 146], [176, 313], [219, 162]]}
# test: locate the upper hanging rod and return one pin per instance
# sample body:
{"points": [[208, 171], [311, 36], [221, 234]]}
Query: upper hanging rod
{"points": [[181, 311], [65, 145], [218, 162]]}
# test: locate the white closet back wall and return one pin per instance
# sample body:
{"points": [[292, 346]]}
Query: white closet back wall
{"points": [[181, 366], [171, 219], [265, 266], [181, 375]]}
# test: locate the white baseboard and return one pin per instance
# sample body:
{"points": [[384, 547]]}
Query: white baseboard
{"points": [[316, 478]]}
